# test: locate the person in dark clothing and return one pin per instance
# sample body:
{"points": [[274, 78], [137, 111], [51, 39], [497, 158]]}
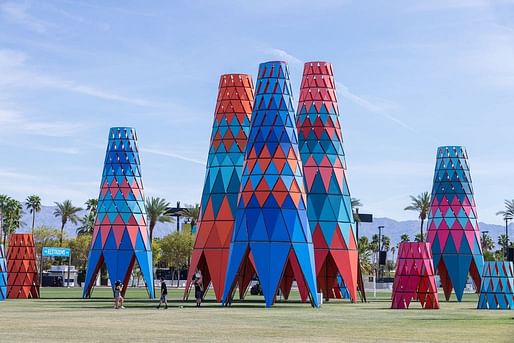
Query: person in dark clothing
{"points": [[198, 282], [164, 295]]}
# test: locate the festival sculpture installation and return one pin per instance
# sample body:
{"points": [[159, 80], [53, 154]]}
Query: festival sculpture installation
{"points": [[3, 274], [452, 222], [22, 275], [329, 206], [415, 277], [222, 181], [271, 232], [120, 236], [497, 290]]}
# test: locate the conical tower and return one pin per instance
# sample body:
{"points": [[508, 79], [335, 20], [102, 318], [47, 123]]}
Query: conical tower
{"points": [[452, 222], [271, 222], [120, 236], [329, 205], [222, 181], [3, 274], [22, 275]]}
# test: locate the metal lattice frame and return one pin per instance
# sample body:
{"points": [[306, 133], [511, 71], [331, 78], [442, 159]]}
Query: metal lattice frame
{"points": [[452, 222], [328, 197], [120, 236], [271, 221], [414, 278], [497, 290], [222, 181], [3, 274], [22, 276]]}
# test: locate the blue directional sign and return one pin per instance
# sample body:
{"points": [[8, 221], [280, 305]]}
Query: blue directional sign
{"points": [[56, 252]]}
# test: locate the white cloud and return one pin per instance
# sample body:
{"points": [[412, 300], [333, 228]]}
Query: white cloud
{"points": [[16, 72], [172, 154], [18, 12], [284, 55]]}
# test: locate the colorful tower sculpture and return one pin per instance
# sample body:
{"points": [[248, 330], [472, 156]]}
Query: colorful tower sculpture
{"points": [[414, 277], [497, 290], [222, 181], [3, 274], [22, 276], [328, 198], [120, 236], [452, 222], [271, 222]]}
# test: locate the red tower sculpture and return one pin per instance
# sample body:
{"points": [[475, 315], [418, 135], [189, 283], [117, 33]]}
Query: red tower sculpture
{"points": [[414, 279], [22, 276], [222, 181], [329, 206]]}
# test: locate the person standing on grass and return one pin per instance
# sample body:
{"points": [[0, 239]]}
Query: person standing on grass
{"points": [[118, 299], [198, 282], [164, 295]]}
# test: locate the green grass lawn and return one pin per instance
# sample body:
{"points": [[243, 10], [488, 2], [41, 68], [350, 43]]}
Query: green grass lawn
{"points": [[61, 315]]}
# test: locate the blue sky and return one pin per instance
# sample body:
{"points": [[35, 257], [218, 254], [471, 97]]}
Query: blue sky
{"points": [[411, 76]]}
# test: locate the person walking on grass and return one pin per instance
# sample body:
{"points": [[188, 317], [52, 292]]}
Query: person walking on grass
{"points": [[198, 282], [164, 295], [118, 298]]}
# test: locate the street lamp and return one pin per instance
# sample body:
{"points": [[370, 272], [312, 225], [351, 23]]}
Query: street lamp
{"points": [[507, 218], [380, 227]]}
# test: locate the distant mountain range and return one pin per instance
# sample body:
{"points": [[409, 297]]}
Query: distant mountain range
{"points": [[392, 228]]}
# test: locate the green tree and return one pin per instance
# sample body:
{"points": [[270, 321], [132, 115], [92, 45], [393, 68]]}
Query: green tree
{"points": [[87, 223], [487, 242], [420, 204], [3, 207], [418, 238], [176, 249], [45, 236], [508, 212], [404, 238], [192, 213], [386, 243], [502, 242], [67, 212], [356, 203], [11, 216], [156, 211], [365, 255], [33, 204], [80, 250]]}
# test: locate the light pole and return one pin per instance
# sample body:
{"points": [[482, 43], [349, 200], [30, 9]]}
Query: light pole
{"points": [[380, 227], [507, 218]]}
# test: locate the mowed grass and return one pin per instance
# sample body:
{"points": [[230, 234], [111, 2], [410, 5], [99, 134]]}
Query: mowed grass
{"points": [[62, 316]]}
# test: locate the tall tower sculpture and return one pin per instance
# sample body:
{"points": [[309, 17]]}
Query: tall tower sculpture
{"points": [[222, 181], [271, 222], [3, 274], [452, 222], [22, 276], [120, 236], [329, 205]]}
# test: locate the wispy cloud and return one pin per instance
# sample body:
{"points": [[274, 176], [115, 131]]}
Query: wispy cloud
{"points": [[16, 72], [172, 154], [18, 12], [381, 108], [284, 55]]}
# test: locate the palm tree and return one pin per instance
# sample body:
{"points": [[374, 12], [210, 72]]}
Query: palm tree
{"points": [[3, 206], [507, 214], [66, 211], [11, 216], [420, 204], [91, 205], [33, 204], [487, 242], [88, 221], [356, 203], [156, 211], [502, 242], [192, 213], [405, 237]]}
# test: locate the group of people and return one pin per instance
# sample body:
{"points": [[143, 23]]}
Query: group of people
{"points": [[197, 282]]}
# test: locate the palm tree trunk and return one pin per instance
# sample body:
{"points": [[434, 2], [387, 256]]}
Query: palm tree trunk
{"points": [[33, 220], [62, 234], [152, 226], [422, 240]]}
